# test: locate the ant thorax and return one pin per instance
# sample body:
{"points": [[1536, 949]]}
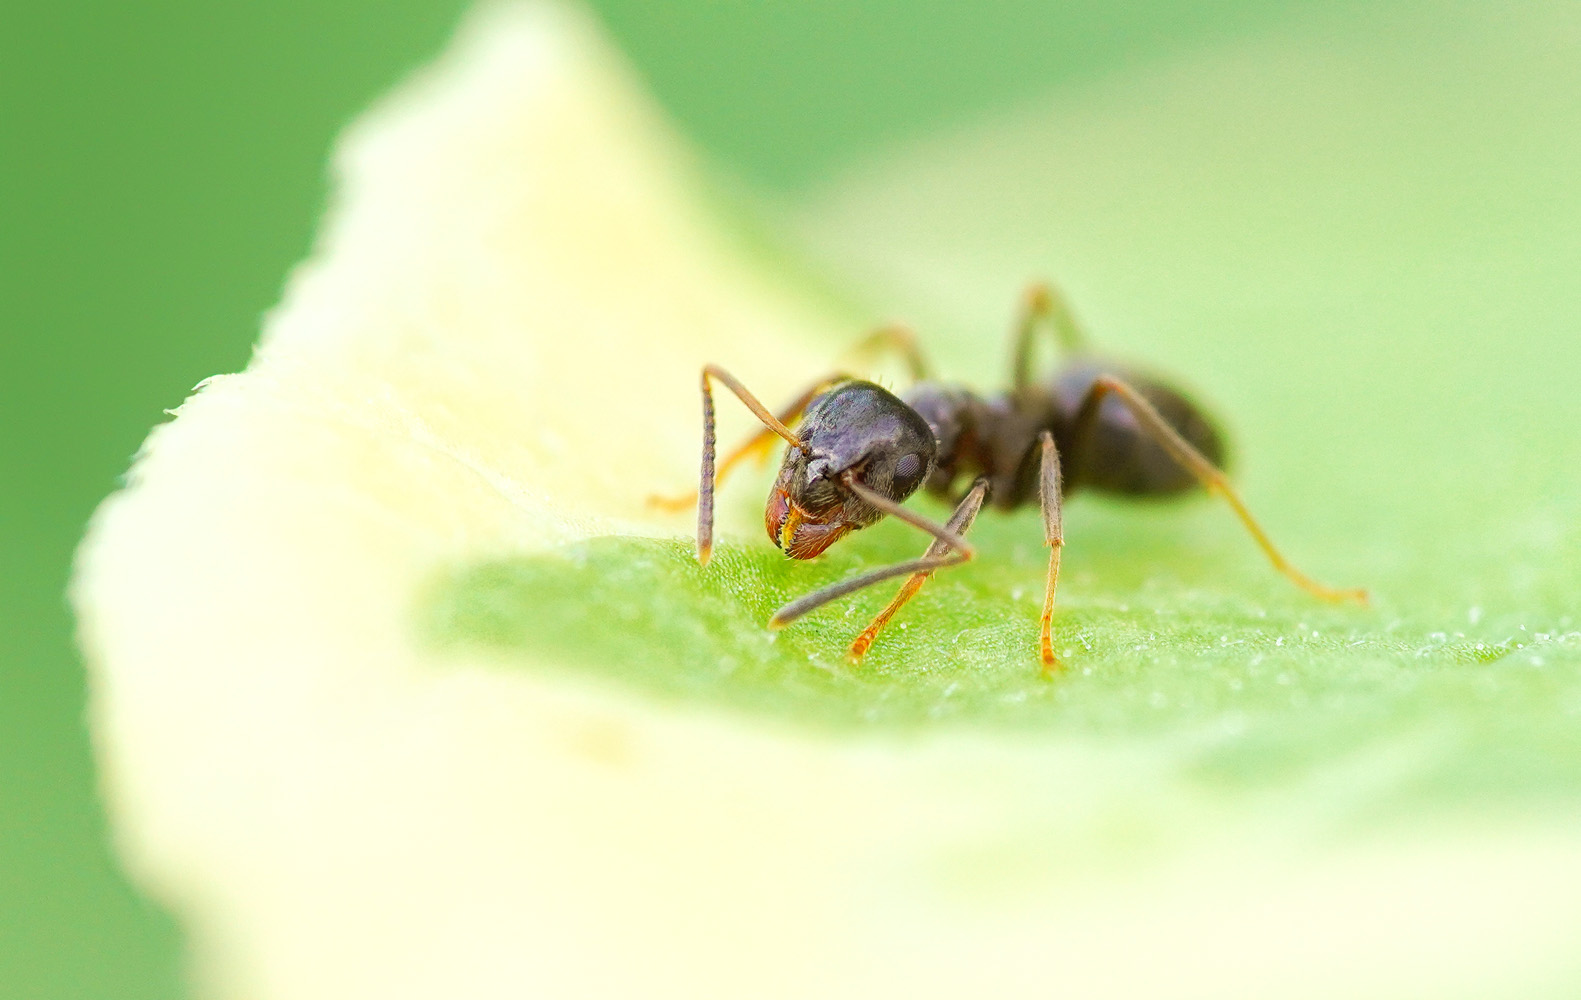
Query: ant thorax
{"points": [[993, 436]]}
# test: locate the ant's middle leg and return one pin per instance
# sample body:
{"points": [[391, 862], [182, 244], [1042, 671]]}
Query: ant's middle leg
{"points": [[960, 521], [1042, 305], [899, 339], [1153, 424]]}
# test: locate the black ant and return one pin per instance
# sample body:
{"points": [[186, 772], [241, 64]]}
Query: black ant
{"points": [[859, 451]]}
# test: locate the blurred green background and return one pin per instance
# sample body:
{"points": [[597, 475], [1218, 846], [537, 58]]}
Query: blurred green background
{"points": [[162, 167]]}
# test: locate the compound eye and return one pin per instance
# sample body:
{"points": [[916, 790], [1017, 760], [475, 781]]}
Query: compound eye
{"points": [[908, 473]]}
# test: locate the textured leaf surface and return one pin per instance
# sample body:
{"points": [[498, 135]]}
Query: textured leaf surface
{"points": [[1366, 257]]}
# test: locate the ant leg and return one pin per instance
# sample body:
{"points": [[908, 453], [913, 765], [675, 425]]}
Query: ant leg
{"points": [[705, 482], [1042, 304], [896, 337], [1050, 499], [947, 536], [960, 521], [1156, 427], [756, 446]]}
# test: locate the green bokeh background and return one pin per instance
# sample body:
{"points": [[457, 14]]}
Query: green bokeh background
{"points": [[161, 168]]}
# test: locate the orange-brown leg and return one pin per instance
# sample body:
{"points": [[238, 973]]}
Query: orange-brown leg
{"points": [[1050, 498], [954, 551], [897, 338], [960, 521], [1156, 427], [1041, 306]]}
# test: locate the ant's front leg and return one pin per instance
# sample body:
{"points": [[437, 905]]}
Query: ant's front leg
{"points": [[960, 522], [773, 425], [1049, 494], [895, 337], [948, 549]]}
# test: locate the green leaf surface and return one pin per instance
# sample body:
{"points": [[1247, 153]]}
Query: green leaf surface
{"points": [[1364, 250]]}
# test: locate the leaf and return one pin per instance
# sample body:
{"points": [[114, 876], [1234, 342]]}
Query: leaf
{"points": [[400, 691]]}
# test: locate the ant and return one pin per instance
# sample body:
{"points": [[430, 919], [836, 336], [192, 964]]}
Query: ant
{"points": [[859, 451]]}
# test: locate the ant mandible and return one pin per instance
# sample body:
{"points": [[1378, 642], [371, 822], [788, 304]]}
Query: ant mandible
{"points": [[859, 451]]}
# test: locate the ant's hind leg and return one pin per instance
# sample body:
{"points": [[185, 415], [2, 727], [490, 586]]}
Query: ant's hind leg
{"points": [[960, 521], [1153, 424], [1042, 305]]}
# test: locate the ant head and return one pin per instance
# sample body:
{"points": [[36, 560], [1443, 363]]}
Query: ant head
{"points": [[855, 428]]}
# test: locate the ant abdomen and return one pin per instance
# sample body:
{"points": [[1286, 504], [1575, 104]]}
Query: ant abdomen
{"points": [[1117, 455]]}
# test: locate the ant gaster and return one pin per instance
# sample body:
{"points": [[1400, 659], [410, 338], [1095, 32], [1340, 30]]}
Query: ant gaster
{"points": [[859, 451]]}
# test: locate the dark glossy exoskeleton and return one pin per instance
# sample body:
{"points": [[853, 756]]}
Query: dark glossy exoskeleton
{"points": [[859, 451]]}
